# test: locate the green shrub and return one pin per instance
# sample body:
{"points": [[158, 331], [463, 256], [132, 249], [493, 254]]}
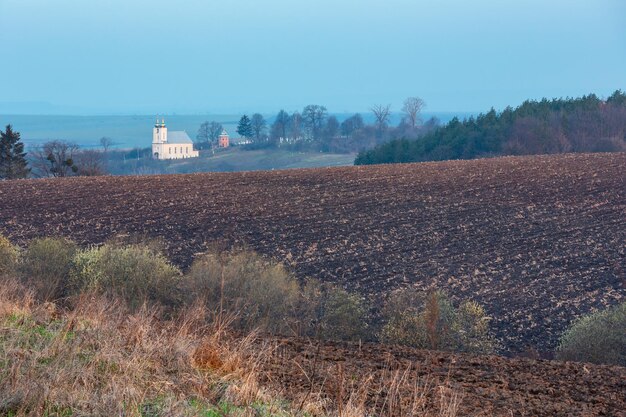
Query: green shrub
{"points": [[597, 338], [343, 317], [430, 321], [251, 291], [136, 273], [45, 267], [471, 329], [8, 257]]}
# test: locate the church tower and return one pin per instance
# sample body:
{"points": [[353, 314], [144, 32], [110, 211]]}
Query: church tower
{"points": [[159, 133]]}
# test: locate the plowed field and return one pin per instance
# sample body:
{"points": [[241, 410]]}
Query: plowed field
{"points": [[537, 240], [393, 380]]}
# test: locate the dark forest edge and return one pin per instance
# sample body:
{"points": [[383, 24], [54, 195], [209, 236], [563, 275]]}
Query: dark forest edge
{"points": [[585, 124]]}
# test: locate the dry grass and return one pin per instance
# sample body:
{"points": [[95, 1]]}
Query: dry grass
{"points": [[100, 359]]}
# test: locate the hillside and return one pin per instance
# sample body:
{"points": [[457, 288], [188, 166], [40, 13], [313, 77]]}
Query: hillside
{"points": [[585, 124], [537, 240], [226, 160]]}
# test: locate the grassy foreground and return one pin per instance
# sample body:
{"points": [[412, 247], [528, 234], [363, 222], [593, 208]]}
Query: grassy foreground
{"points": [[99, 359]]}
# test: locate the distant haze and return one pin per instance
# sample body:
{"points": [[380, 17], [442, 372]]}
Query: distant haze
{"points": [[132, 131], [229, 57]]}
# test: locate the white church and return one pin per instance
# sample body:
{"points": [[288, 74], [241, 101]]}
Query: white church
{"points": [[171, 145]]}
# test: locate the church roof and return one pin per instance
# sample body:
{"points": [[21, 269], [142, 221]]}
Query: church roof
{"points": [[178, 137]]}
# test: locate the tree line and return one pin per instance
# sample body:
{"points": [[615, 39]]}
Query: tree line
{"points": [[55, 158], [585, 124], [315, 129]]}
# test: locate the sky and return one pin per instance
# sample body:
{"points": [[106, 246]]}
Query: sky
{"points": [[221, 57]]}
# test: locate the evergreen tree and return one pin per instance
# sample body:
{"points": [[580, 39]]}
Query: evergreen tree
{"points": [[245, 127], [585, 124], [13, 162]]}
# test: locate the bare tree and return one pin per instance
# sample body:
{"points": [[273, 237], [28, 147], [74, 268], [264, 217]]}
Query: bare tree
{"points": [[89, 163], [208, 133], [215, 130], [106, 143], [258, 125], [412, 108], [313, 117], [295, 126], [381, 113], [55, 159], [351, 124], [280, 126]]}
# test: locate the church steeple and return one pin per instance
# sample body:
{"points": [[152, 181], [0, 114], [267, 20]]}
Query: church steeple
{"points": [[159, 133]]}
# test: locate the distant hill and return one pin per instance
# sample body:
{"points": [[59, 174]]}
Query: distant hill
{"points": [[586, 124], [233, 159]]}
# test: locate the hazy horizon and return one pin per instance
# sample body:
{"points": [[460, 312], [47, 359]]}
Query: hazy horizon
{"points": [[148, 57]]}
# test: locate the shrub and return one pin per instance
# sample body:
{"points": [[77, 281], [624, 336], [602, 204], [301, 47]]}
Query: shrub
{"points": [[343, 316], [136, 273], [432, 322], [8, 257], [597, 338], [45, 267], [471, 329], [252, 291]]}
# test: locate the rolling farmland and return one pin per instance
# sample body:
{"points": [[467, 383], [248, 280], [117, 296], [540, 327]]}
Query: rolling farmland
{"points": [[537, 240]]}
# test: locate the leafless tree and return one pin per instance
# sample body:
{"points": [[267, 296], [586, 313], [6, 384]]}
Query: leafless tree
{"points": [[106, 143], [295, 126], [208, 134], [352, 124], [280, 126], [258, 125], [313, 118], [89, 163], [412, 108], [55, 159], [381, 113]]}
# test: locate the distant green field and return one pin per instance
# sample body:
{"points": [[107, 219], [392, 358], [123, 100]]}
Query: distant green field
{"points": [[231, 160]]}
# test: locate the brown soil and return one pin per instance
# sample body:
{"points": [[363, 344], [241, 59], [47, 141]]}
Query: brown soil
{"points": [[390, 378], [538, 241]]}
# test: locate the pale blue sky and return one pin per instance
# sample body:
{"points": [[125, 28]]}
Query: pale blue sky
{"points": [[139, 56]]}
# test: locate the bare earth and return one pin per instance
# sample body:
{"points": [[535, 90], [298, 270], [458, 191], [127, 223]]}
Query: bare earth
{"points": [[390, 378], [537, 240]]}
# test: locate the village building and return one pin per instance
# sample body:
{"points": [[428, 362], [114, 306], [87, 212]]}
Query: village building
{"points": [[171, 145], [223, 140]]}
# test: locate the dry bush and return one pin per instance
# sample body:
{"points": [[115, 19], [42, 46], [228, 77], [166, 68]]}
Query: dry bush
{"points": [[432, 322], [8, 257], [136, 273], [45, 267], [343, 316], [255, 292], [597, 338]]}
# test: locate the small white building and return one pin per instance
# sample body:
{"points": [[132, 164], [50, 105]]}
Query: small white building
{"points": [[171, 145]]}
